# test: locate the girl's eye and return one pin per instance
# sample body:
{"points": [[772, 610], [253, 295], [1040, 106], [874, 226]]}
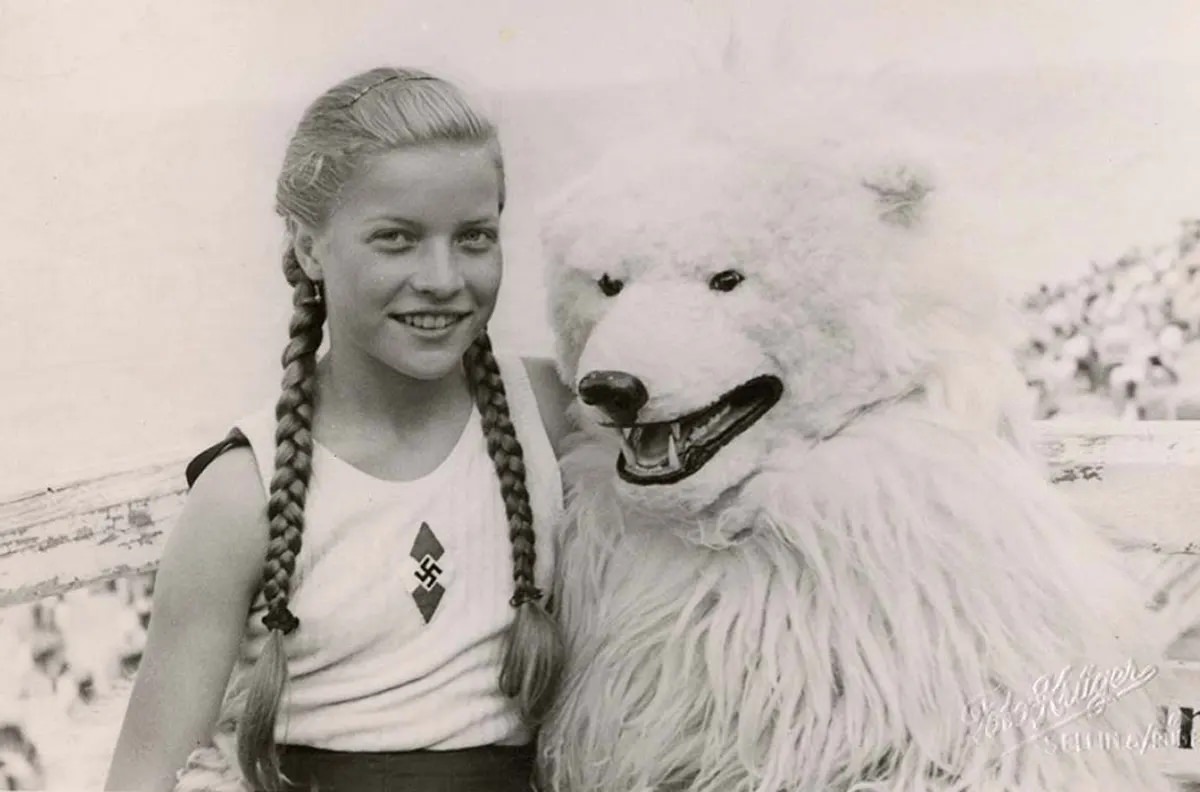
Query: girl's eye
{"points": [[478, 239], [610, 286], [726, 280], [393, 237]]}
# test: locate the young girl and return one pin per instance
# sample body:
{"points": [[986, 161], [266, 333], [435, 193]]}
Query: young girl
{"points": [[393, 489]]}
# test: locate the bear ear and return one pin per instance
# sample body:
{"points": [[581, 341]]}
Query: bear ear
{"points": [[900, 194]]}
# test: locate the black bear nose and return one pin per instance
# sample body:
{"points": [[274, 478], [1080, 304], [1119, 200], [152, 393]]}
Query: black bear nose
{"points": [[618, 394]]}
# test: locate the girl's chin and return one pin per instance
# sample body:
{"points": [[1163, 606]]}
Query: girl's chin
{"points": [[428, 363]]}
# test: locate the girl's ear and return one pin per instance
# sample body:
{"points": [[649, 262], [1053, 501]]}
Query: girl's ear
{"points": [[304, 242]]}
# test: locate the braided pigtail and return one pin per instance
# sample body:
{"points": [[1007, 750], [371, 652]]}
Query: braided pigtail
{"points": [[533, 654], [285, 513]]}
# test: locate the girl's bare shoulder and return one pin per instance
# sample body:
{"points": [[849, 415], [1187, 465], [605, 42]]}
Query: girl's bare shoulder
{"points": [[220, 538]]}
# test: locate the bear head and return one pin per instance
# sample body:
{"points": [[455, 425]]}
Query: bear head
{"points": [[720, 299]]}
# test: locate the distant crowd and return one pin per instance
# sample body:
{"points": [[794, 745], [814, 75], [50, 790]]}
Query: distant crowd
{"points": [[61, 655], [1120, 339]]}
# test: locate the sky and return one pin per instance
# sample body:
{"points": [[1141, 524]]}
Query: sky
{"points": [[141, 305], [135, 52]]}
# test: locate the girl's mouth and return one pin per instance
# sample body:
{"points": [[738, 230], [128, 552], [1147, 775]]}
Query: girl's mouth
{"points": [[430, 321]]}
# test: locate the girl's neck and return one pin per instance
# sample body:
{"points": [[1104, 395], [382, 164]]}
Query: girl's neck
{"points": [[378, 401]]}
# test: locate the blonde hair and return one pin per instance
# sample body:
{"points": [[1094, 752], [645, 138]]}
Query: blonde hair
{"points": [[372, 113]]}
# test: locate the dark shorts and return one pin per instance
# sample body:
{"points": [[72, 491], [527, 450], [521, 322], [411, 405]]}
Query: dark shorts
{"points": [[491, 768]]}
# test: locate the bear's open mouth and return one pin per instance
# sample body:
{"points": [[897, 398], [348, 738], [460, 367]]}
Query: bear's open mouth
{"points": [[667, 451]]}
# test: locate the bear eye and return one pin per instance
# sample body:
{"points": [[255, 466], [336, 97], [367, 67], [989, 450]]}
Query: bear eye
{"points": [[610, 286], [725, 280]]}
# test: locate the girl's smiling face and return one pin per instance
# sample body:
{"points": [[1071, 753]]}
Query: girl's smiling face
{"points": [[410, 257]]}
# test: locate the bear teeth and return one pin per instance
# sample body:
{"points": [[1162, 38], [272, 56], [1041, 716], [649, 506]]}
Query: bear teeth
{"points": [[679, 436], [653, 452], [710, 422], [631, 437], [675, 441], [672, 453], [627, 444]]}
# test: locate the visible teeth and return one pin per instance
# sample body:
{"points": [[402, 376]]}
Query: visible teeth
{"points": [[627, 445], [672, 453], [676, 432], [429, 321], [709, 423]]}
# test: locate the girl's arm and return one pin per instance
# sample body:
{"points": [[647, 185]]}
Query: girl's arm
{"points": [[553, 398], [206, 582]]}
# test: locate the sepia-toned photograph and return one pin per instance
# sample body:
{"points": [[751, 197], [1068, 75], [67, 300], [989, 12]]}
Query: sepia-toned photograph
{"points": [[600, 396]]}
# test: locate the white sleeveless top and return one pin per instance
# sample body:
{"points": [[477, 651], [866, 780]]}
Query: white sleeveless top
{"points": [[402, 591]]}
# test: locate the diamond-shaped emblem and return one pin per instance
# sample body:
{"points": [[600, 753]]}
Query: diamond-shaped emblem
{"points": [[428, 571]]}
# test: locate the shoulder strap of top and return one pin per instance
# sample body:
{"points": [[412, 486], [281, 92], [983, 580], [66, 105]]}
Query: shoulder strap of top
{"points": [[235, 439], [254, 431]]}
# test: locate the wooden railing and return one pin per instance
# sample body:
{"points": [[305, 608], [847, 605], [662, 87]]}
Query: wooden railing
{"points": [[1136, 479], [1141, 478], [68, 535]]}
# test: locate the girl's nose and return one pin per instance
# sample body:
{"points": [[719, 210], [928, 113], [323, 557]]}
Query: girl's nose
{"points": [[438, 273]]}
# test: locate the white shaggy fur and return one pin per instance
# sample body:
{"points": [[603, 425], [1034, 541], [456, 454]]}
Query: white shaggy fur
{"points": [[834, 599], [214, 768]]}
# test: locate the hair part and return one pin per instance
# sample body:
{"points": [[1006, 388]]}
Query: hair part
{"points": [[370, 114]]}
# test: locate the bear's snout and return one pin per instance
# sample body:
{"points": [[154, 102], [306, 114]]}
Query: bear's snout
{"points": [[618, 394]]}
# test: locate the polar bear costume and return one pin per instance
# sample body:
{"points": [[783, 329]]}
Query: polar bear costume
{"points": [[808, 545]]}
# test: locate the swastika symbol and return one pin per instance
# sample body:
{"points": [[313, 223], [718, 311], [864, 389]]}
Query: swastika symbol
{"points": [[427, 572], [426, 552]]}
